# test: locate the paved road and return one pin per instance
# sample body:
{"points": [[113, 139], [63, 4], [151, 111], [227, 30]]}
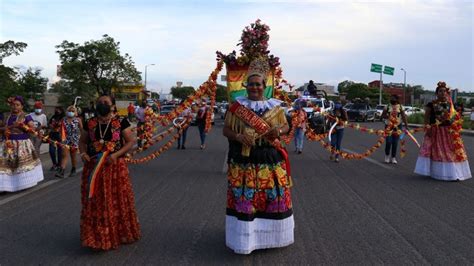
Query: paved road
{"points": [[357, 212]]}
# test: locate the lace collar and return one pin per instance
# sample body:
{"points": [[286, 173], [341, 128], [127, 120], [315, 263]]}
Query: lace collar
{"points": [[258, 106]]}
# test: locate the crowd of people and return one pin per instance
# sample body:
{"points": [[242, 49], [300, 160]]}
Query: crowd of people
{"points": [[259, 209]]}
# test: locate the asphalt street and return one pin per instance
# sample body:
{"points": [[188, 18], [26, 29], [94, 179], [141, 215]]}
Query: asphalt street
{"points": [[352, 212]]}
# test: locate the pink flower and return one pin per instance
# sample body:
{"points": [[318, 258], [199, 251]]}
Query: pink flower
{"points": [[116, 136]]}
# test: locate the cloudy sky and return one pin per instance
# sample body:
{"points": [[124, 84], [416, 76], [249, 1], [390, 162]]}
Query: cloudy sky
{"points": [[327, 41]]}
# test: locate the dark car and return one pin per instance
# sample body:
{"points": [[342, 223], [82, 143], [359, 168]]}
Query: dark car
{"points": [[361, 112], [166, 109]]}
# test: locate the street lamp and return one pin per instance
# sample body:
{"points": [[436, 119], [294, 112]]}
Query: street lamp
{"points": [[404, 85], [146, 71]]}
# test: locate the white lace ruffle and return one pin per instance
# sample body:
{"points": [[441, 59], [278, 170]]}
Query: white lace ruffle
{"points": [[246, 236], [258, 106]]}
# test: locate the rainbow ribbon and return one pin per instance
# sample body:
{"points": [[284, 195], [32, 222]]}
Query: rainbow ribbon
{"points": [[101, 159]]}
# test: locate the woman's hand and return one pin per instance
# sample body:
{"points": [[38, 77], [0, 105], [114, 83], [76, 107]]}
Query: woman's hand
{"points": [[274, 133], [112, 159], [85, 157]]}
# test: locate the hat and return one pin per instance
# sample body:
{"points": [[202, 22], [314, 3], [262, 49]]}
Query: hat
{"points": [[38, 105], [259, 67]]}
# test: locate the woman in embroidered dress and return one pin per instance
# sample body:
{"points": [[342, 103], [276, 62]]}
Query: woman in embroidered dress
{"points": [[71, 127], [20, 166], [259, 209], [108, 216], [442, 155]]}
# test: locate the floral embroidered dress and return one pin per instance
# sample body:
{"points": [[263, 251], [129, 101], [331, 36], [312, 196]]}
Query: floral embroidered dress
{"points": [[20, 166], [108, 218], [442, 155], [72, 132], [259, 209]]}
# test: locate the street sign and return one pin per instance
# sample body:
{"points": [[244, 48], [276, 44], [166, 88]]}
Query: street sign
{"points": [[388, 70], [376, 68]]}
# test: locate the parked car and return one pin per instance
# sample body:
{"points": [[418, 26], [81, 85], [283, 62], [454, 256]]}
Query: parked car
{"points": [[166, 109], [379, 110], [347, 106], [361, 112], [410, 110]]}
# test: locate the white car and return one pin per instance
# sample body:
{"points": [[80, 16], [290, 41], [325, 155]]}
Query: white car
{"points": [[410, 110], [379, 110]]}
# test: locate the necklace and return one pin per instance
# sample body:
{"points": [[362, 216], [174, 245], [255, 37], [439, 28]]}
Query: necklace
{"points": [[102, 135]]}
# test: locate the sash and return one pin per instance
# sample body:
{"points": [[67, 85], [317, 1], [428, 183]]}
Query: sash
{"points": [[101, 159], [261, 127]]}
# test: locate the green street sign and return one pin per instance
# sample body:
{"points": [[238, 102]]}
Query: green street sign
{"points": [[387, 70], [376, 68]]}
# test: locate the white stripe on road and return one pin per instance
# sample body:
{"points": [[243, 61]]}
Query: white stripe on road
{"points": [[373, 161], [29, 191]]}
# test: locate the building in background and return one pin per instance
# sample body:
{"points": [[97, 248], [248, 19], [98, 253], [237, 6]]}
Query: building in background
{"points": [[405, 96]]}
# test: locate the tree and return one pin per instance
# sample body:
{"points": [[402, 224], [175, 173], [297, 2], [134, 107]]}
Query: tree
{"points": [[362, 91], [344, 85], [11, 48], [155, 95], [68, 91], [32, 82], [8, 87], [182, 92], [96, 65], [221, 93], [8, 84]]}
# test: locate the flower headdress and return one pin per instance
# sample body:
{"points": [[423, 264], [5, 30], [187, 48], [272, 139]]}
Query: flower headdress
{"points": [[259, 67]]}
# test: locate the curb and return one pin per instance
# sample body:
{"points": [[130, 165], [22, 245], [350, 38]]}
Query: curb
{"points": [[466, 132]]}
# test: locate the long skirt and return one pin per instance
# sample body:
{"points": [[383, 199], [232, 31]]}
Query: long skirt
{"points": [[109, 218], [438, 158], [259, 209], [20, 166]]}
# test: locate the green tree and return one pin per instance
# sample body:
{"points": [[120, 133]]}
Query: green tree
{"points": [[182, 92], [96, 65], [68, 91], [343, 86], [362, 91], [221, 93], [11, 48], [155, 95], [32, 82], [8, 83]]}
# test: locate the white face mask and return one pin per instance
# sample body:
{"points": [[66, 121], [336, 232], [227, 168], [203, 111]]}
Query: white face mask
{"points": [[70, 114], [38, 111]]}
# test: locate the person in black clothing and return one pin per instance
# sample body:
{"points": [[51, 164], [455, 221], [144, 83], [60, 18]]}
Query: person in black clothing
{"points": [[312, 88], [201, 123], [55, 151]]}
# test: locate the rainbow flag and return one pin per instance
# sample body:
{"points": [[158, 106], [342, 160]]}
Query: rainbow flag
{"points": [[236, 76], [101, 159]]}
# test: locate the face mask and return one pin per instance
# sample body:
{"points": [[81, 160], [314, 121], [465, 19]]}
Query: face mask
{"points": [[102, 109], [70, 114], [38, 111], [393, 102]]}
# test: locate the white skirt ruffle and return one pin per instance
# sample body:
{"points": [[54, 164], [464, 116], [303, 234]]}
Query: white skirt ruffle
{"points": [[446, 171], [246, 236], [19, 181]]}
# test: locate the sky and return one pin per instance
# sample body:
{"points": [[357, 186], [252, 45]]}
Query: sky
{"points": [[325, 41]]}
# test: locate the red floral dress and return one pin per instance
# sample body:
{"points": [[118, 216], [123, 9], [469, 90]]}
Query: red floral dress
{"points": [[109, 218]]}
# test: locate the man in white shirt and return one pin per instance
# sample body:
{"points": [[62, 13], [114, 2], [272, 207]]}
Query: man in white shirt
{"points": [[41, 122]]}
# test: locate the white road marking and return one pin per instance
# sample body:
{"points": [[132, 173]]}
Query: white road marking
{"points": [[386, 166], [34, 189]]}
